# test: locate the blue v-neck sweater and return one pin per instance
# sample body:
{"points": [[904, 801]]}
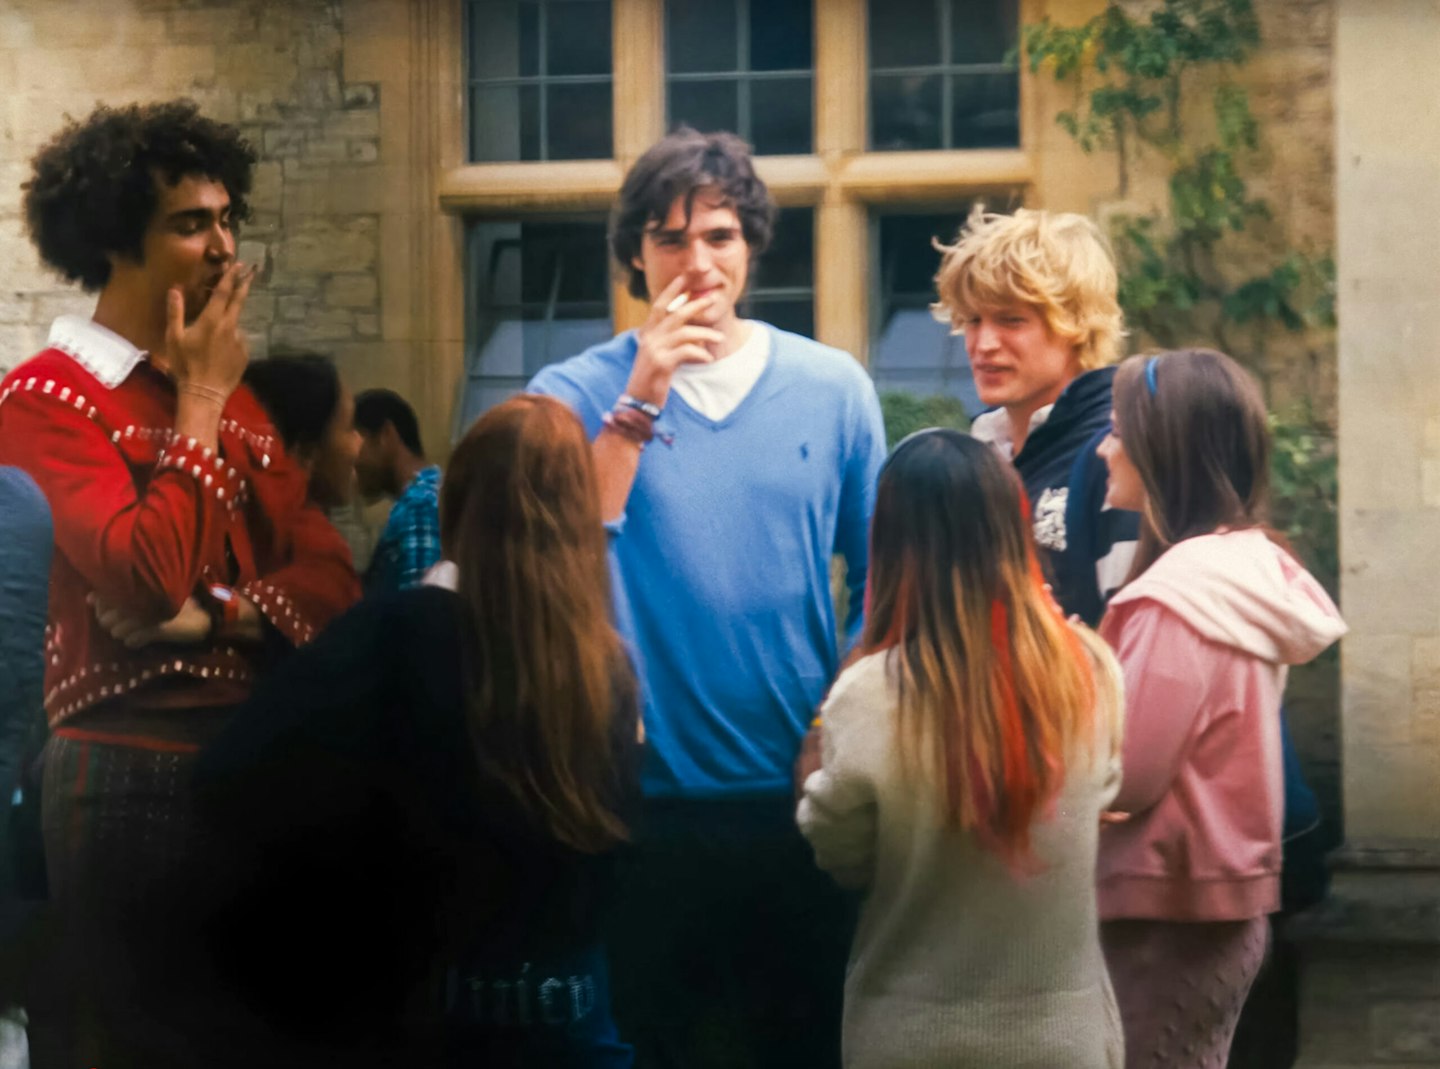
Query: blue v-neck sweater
{"points": [[724, 558]]}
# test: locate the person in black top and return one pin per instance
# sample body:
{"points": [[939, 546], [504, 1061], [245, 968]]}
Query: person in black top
{"points": [[421, 807], [1035, 294]]}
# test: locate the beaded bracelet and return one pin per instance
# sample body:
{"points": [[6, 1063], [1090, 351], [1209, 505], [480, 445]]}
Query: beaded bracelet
{"points": [[652, 410], [631, 425]]}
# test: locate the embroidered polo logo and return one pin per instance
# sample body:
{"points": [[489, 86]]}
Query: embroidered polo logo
{"points": [[1050, 518]]}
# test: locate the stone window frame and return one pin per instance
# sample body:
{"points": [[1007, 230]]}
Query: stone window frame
{"points": [[842, 180]]}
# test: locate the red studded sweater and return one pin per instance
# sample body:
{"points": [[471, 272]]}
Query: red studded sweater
{"points": [[143, 519]]}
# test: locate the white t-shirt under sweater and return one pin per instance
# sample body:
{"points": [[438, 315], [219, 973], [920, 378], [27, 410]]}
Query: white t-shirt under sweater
{"points": [[716, 389]]}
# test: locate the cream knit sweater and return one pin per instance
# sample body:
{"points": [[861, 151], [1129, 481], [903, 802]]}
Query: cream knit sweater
{"points": [[957, 962]]}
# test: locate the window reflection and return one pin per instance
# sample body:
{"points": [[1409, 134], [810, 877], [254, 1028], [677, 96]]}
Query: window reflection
{"points": [[744, 66], [909, 349], [782, 288], [940, 74], [539, 80], [539, 291]]}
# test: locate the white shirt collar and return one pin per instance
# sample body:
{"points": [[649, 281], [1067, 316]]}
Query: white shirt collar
{"points": [[100, 351], [993, 428]]}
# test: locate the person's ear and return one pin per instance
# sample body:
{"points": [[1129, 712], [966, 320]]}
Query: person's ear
{"points": [[390, 439]]}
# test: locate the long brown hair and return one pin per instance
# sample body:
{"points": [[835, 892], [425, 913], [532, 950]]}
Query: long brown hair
{"points": [[1193, 424], [520, 517], [995, 689]]}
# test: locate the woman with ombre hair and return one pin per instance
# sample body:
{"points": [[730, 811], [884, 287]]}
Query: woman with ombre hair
{"points": [[967, 757], [1215, 611], [434, 789]]}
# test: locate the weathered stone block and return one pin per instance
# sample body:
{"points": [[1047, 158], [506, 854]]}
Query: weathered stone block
{"points": [[316, 329], [211, 24], [1390, 570], [363, 151], [327, 245], [19, 342], [62, 302], [266, 192], [16, 308], [176, 68], [362, 95], [292, 308], [326, 149], [282, 142], [1407, 1031], [256, 68], [351, 291], [353, 124]]}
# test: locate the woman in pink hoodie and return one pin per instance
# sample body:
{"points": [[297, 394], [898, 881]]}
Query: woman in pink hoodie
{"points": [[1214, 612]]}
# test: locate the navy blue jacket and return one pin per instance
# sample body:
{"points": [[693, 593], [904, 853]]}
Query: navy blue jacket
{"points": [[1065, 481]]}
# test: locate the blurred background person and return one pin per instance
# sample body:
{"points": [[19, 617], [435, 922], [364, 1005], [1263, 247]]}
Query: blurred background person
{"points": [[391, 463], [967, 757], [426, 802], [315, 414], [28, 538], [1214, 612]]}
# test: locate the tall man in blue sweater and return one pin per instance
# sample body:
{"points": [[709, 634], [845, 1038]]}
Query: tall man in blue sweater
{"points": [[729, 947]]}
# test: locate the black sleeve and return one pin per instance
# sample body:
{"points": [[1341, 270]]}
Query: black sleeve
{"points": [[326, 696]]}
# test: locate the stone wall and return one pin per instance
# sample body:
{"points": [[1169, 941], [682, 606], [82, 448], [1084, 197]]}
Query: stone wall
{"points": [[306, 83], [1289, 82]]}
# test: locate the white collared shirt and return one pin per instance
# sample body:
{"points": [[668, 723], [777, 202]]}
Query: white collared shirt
{"points": [[99, 350], [993, 428]]}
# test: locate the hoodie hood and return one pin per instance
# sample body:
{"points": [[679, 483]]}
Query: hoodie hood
{"points": [[1241, 590]]}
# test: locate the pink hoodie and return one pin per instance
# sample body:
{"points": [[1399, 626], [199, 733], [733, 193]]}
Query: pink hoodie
{"points": [[1205, 636]]}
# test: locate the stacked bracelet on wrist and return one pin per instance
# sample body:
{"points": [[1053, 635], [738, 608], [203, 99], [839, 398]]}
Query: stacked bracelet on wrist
{"points": [[634, 420], [651, 410], [631, 424]]}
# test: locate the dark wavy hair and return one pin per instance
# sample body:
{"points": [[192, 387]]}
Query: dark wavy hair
{"points": [[300, 391], [680, 165], [376, 407], [93, 186]]}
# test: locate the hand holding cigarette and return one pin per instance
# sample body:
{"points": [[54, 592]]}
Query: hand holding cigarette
{"points": [[668, 339]]}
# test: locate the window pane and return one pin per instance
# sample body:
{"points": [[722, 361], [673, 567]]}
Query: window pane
{"points": [[904, 33], [529, 39], [780, 111], [539, 292], [580, 122], [505, 123], [780, 35], [905, 112], [700, 35], [795, 314], [910, 350], [986, 110], [782, 288], [707, 106], [578, 37], [790, 261], [503, 39], [983, 33]]}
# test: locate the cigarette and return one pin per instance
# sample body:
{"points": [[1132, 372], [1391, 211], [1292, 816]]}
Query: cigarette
{"points": [[678, 303]]}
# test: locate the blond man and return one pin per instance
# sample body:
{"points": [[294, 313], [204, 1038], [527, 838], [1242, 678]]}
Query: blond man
{"points": [[1034, 293]]}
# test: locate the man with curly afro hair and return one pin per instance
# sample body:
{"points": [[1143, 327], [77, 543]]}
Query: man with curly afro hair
{"points": [[185, 556]]}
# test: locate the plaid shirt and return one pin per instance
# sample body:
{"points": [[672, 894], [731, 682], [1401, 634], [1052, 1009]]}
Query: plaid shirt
{"points": [[410, 543]]}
